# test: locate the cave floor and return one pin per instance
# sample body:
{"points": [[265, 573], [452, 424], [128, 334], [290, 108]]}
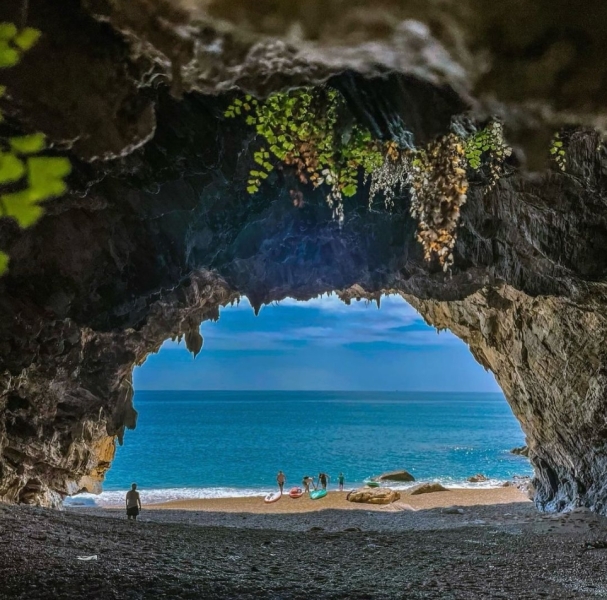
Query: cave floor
{"points": [[508, 551]]}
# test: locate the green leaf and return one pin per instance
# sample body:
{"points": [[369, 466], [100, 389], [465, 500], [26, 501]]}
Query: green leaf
{"points": [[252, 189], [45, 176], [2, 90], [4, 260], [28, 144], [26, 38], [9, 57], [11, 168], [22, 207], [7, 31], [349, 190]]}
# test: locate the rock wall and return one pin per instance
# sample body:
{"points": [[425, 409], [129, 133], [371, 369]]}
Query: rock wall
{"points": [[549, 357], [158, 231]]}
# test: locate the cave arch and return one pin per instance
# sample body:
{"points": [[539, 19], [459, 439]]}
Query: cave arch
{"points": [[341, 360], [158, 231]]}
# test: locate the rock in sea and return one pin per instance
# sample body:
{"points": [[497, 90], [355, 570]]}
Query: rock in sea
{"points": [[396, 476], [478, 478]]}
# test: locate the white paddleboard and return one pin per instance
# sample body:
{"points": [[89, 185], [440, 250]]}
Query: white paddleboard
{"points": [[272, 497]]}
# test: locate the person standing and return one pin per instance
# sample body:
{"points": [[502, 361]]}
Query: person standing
{"points": [[340, 481], [281, 479], [323, 479], [133, 503]]}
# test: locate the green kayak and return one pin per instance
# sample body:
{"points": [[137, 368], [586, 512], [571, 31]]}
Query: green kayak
{"points": [[317, 494], [370, 483]]}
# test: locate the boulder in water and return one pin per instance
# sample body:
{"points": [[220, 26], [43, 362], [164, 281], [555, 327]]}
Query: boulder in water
{"points": [[521, 451], [478, 478], [396, 476], [373, 495], [426, 488]]}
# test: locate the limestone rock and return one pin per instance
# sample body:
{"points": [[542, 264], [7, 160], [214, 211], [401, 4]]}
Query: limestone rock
{"points": [[426, 488], [478, 478], [395, 476], [158, 231], [521, 451], [373, 495]]}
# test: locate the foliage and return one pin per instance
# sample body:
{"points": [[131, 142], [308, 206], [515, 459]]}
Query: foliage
{"points": [[26, 179], [13, 43], [487, 146], [438, 190], [436, 177], [309, 130], [300, 128], [558, 153]]}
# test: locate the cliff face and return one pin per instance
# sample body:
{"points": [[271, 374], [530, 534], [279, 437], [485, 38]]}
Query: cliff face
{"points": [[159, 232]]}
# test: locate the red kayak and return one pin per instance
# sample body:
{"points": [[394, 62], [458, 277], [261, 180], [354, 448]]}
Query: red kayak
{"points": [[296, 492]]}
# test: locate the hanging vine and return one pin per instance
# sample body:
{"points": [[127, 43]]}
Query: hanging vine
{"points": [[300, 128], [311, 130]]}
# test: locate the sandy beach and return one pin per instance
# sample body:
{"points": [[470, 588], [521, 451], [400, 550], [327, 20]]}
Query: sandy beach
{"points": [[337, 500]]}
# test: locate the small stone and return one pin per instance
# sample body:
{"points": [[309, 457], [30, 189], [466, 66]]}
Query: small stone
{"points": [[453, 510]]}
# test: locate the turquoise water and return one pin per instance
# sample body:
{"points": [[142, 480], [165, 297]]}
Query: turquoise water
{"points": [[213, 444]]}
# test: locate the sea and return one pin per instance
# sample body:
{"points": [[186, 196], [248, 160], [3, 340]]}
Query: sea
{"points": [[214, 444]]}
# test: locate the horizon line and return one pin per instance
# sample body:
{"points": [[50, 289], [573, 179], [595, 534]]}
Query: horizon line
{"points": [[326, 390]]}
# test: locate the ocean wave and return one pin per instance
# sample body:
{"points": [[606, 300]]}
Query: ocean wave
{"points": [[157, 496]]}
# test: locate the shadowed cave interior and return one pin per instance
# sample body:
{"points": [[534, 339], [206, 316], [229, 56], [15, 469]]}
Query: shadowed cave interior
{"points": [[158, 230]]}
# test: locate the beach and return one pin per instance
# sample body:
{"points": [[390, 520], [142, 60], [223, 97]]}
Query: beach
{"points": [[337, 500], [473, 544]]}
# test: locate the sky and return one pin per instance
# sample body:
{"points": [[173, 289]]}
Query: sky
{"points": [[321, 344]]}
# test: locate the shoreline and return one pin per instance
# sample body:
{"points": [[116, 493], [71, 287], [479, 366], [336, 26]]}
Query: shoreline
{"points": [[337, 500]]}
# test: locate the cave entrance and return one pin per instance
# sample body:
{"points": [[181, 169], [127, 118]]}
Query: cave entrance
{"points": [[308, 387]]}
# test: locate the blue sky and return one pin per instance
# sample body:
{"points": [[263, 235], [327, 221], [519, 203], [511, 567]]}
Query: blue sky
{"points": [[318, 345]]}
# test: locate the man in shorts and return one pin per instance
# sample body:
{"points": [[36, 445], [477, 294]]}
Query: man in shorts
{"points": [[280, 479], [323, 479], [133, 503], [340, 481]]}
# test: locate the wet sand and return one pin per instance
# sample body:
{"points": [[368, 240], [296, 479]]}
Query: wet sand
{"points": [[337, 500]]}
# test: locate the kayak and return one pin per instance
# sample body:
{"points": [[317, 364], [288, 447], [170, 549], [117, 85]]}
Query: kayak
{"points": [[317, 494], [296, 492], [371, 483], [272, 497]]}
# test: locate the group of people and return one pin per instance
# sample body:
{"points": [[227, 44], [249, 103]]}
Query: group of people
{"points": [[308, 481], [133, 500]]}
